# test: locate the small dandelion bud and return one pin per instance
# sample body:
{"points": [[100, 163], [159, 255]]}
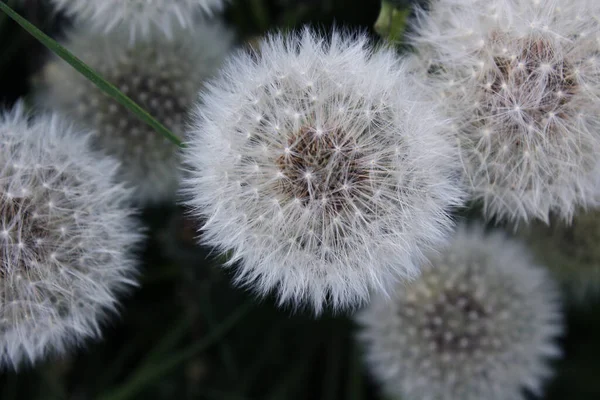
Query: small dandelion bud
{"points": [[479, 323], [570, 250], [521, 80], [138, 16], [64, 238], [318, 166], [163, 76]]}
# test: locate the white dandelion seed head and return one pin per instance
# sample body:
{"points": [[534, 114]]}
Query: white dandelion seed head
{"points": [[479, 323], [522, 81], [138, 17], [316, 163], [64, 238], [570, 250], [163, 76]]}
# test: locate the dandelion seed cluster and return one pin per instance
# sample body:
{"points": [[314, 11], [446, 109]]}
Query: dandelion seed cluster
{"points": [[138, 17], [570, 250], [521, 79], [479, 323], [64, 237], [161, 75], [319, 166]]}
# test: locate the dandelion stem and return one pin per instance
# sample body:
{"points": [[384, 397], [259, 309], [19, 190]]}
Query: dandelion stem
{"points": [[90, 74]]}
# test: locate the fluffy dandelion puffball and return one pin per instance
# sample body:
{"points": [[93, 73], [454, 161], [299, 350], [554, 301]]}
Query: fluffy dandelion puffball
{"points": [[138, 17], [570, 250], [64, 238], [479, 323], [161, 75], [316, 163], [521, 79]]}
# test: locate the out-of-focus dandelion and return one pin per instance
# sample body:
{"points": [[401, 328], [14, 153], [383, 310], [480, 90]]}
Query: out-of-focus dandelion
{"points": [[161, 75], [65, 237], [521, 79], [570, 251], [138, 17], [478, 324], [317, 164]]}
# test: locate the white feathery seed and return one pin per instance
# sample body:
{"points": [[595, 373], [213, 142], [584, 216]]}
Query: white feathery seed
{"points": [[521, 80], [479, 323], [163, 76], [65, 238], [138, 17], [318, 165]]}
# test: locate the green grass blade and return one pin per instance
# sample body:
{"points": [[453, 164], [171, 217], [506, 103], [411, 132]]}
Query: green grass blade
{"points": [[150, 373], [90, 74], [4, 17], [169, 341], [227, 356]]}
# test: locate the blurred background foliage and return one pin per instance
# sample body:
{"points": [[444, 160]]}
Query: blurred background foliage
{"points": [[186, 332]]}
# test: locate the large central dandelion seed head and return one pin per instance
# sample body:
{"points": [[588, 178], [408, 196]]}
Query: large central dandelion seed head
{"points": [[521, 81], [315, 171]]}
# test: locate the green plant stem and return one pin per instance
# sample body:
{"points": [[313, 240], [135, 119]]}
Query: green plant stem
{"points": [[391, 22], [170, 340], [4, 17], [90, 74], [155, 370], [227, 355]]}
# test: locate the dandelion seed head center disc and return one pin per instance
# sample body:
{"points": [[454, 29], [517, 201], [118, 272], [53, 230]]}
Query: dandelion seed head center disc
{"points": [[38, 213], [322, 166], [162, 94], [533, 88], [33, 222], [454, 318]]}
